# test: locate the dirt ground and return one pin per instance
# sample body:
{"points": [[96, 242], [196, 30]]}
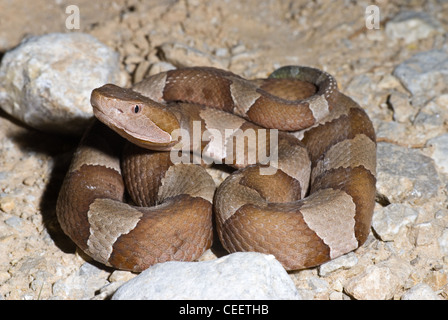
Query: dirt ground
{"points": [[250, 38]]}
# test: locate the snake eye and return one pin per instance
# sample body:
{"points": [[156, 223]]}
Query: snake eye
{"points": [[137, 108]]}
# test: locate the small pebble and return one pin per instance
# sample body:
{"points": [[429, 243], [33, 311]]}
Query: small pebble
{"points": [[421, 291], [7, 204], [14, 222], [440, 151]]}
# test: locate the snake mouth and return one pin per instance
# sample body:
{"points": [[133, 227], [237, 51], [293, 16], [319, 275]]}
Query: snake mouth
{"points": [[109, 121]]}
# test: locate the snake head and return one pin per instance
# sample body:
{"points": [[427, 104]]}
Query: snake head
{"points": [[135, 117]]}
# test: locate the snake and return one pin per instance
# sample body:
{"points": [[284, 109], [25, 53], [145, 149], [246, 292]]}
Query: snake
{"points": [[300, 154]]}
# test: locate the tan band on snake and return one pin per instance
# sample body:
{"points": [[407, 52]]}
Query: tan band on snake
{"points": [[129, 204]]}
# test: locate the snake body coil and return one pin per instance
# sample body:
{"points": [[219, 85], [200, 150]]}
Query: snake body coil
{"points": [[316, 204]]}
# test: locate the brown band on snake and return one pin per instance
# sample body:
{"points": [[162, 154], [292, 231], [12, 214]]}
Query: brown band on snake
{"points": [[91, 210], [228, 92], [316, 205]]}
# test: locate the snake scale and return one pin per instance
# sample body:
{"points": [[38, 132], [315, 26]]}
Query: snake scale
{"points": [[133, 199]]}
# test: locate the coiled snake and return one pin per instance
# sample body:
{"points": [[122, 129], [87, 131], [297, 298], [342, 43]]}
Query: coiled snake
{"points": [[311, 202]]}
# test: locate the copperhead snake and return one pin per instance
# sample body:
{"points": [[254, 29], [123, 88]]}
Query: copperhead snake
{"points": [[315, 205]]}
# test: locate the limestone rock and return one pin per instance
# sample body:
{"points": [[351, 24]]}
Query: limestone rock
{"points": [[412, 26], [236, 276], [421, 291], [46, 81], [380, 281], [417, 176], [389, 221], [424, 75]]}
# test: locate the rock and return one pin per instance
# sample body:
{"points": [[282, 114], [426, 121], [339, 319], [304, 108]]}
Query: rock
{"points": [[395, 131], [141, 71], [117, 278], [317, 284], [82, 284], [421, 291], [443, 242], [440, 151], [121, 276], [389, 221], [380, 281], [413, 126], [437, 279], [361, 88], [14, 222], [424, 75], [7, 204], [345, 261], [414, 172], [336, 295], [430, 119], [403, 110], [182, 55], [160, 67], [426, 233], [388, 82], [46, 81], [240, 275], [412, 26]]}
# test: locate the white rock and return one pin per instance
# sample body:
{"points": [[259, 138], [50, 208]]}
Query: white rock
{"points": [[403, 110], [46, 81], [239, 275], [410, 169], [82, 284], [317, 284], [425, 233], [421, 291], [412, 26], [443, 242], [160, 66], [388, 221], [440, 151], [424, 75], [343, 262], [380, 281]]}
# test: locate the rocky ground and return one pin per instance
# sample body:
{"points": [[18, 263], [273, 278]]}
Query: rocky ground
{"points": [[397, 70]]}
